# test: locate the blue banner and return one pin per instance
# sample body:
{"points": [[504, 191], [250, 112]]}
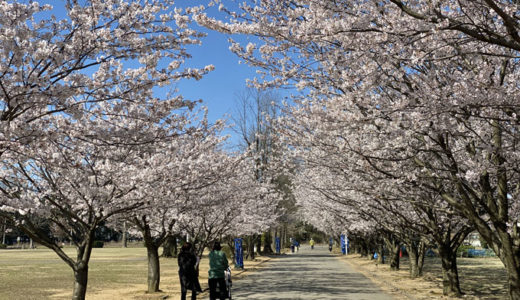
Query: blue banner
{"points": [[239, 254], [343, 244], [278, 246]]}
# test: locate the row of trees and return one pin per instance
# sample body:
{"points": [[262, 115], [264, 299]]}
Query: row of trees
{"points": [[406, 125], [90, 133]]}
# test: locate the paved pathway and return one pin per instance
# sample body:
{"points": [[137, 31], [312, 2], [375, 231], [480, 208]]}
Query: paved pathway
{"points": [[308, 274]]}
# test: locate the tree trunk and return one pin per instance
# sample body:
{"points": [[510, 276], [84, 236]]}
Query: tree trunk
{"points": [[363, 248], [284, 237], [273, 240], [267, 243], [258, 242], [154, 269], [80, 282], [420, 261], [230, 243], [393, 247], [250, 248], [123, 237], [416, 254], [514, 283], [381, 254], [4, 230], [170, 247], [450, 275]]}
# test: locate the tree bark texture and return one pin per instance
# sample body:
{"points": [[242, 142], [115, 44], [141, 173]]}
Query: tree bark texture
{"points": [[381, 254], [170, 247], [450, 274], [4, 230], [267, 243], [80, 282], [393, 247], [250, 247], [416, 253], [123, 236], [514, 284], [154, 269]]}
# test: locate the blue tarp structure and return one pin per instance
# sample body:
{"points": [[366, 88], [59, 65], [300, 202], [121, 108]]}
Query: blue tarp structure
{"points": [[480, 253]]}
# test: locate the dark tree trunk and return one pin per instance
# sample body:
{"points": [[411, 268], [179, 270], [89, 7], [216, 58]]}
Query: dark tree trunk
{"points": [[258, 243], [170, 247], [267, 243], [250, 248], [80, 267], [275, 234], [381, 253], [154, 269], [80, 282], [450, 275], [363, 248], [231, 244]]}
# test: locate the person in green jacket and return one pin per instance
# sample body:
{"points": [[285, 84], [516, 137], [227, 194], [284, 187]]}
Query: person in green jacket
{"points": [[218, 263]]}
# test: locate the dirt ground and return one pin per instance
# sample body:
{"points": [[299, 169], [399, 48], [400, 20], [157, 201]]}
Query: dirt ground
{"points": [[480, 278]]}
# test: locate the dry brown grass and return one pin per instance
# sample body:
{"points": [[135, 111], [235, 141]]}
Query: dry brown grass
{"points": [[114, 273], [480, 278]]}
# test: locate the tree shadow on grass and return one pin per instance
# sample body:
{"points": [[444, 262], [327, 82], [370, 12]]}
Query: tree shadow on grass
{"points": [[483, 278]]}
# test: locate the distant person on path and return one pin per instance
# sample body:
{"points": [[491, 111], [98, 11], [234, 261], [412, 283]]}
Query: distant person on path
{"points": [[312, 243], [218, 263], [330, 244], [188, 274]]}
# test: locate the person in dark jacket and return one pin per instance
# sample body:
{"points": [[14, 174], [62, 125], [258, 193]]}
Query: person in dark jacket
{"points": [[188, 274], [218, 263]]}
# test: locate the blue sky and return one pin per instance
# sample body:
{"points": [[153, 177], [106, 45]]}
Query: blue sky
{"points": [[218, 89]]}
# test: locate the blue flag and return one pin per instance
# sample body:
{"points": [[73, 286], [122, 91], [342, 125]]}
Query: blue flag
{"points": [[343, 244], [239, 254]]}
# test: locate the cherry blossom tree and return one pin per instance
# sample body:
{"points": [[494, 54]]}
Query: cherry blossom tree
{"points": [[236, 205], [439, 75], [79, 111], [190, 162]]}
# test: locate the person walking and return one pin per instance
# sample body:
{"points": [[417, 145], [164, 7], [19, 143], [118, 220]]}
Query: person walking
{"points": [[312, 243], [188, 274], [218, 264]]}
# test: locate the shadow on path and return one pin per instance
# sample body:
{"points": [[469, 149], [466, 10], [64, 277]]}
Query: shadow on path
{"points": [[307, 274]]}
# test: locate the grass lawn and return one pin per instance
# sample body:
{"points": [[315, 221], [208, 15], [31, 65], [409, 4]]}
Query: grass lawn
{"points": [[114, 273]]}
